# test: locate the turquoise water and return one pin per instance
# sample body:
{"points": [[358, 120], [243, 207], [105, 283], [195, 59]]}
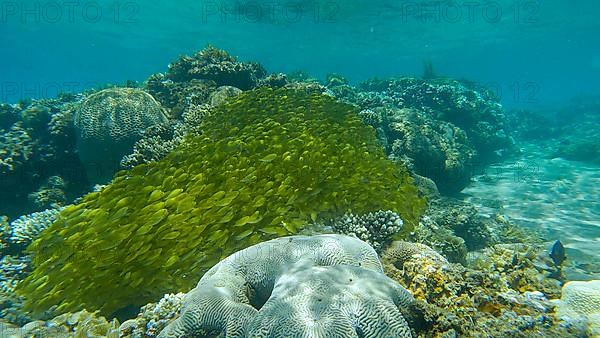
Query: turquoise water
{"points": [[503, 44], [135, 156]]}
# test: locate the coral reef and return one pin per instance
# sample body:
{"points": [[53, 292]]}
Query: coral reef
{"points": [[319, 286], [474, 110], [500, 300], [523, 267], [579, 140], [442, 128], [400, 252], [37, 150], [438, 150], [108, 124], [441, 239], [290, 159], [533, 125], [453, 228], [216, 65], [193, 116], [464, 221], [371, 117], [158, 141], [580, 301], [36, 117], [375, 228]]}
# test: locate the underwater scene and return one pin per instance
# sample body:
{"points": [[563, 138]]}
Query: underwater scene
{"points": [[302, 168]]}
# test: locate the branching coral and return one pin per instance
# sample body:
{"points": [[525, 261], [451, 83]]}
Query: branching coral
{"points": [[268, 163], [376, 228]]}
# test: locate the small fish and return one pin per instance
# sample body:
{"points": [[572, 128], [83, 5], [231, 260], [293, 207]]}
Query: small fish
{"points": [[557, 253]]}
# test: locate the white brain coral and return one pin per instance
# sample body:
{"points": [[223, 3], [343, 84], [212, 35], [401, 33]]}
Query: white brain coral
{"points": [[298, 286], [581, 300]]}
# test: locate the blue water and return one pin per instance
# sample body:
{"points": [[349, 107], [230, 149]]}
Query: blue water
{"points": [[529, 52], [534, 56]]}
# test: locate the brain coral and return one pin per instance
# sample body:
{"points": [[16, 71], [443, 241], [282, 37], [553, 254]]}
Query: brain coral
{"points": [[108, 123], [269, 162], [581, 300], [298, 286]]}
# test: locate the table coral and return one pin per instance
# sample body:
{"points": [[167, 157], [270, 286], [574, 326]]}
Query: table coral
{"points": [[298, 286], [268, 163]]}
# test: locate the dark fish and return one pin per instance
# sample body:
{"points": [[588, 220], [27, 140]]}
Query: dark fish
{"points": [[557, 253]]}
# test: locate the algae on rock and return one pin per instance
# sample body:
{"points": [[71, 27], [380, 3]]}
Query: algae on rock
{"points": [[269, 162]]}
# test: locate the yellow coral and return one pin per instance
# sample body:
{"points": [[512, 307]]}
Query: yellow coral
{"points": [[268, 163]]}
